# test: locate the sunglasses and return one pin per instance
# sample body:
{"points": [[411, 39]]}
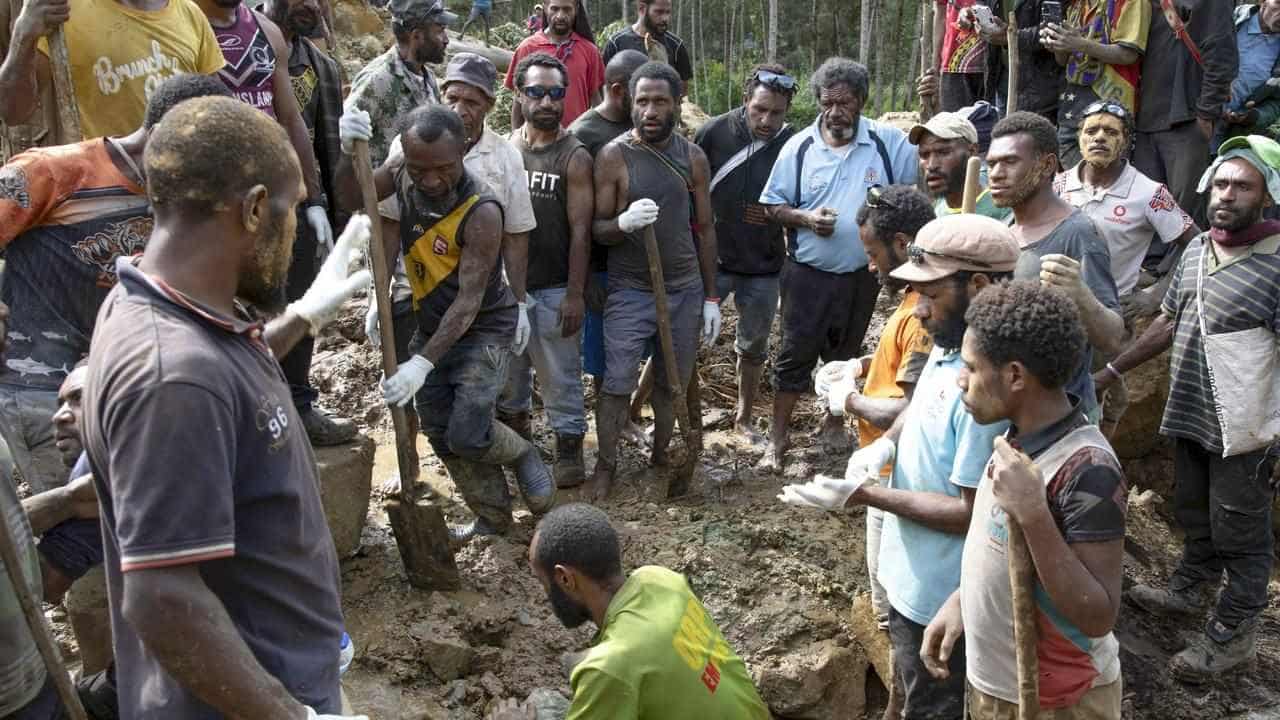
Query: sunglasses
{"points": [[537, 92], [786, 83], [1106, 106], [876, 200], [917, 255]]}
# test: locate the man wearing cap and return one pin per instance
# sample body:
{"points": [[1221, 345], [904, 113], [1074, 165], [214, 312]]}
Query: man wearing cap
{"points": [[938, 451], [1060, 245], [1227, 283], [741, 146], [579, 55], [821, 178], [945, 144]]}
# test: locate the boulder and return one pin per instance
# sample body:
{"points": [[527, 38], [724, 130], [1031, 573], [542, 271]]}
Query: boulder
{"points": [[346, 477], [873, 641], [449, 658], [355, 18], [1138, 434], [824, 681]]}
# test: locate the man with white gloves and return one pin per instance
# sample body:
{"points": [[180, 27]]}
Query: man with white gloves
{"points": [[938, 453], [645, 178], [213, 531], [450, 235]]}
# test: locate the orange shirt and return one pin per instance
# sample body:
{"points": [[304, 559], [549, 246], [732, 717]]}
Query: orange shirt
{"points": [[899, 358]]}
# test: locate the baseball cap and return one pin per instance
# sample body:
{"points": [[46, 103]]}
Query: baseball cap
{"points": [[471, 69], [956, 243], [945, 126], [431, 10]]}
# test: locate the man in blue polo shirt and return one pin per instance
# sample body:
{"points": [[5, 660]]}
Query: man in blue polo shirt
{"points": [[819, 182]]}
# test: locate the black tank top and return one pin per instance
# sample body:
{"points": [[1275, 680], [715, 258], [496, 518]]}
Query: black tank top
{"points": [[547, 170], [650, 177]]}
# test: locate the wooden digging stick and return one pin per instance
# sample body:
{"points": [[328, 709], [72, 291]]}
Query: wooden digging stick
{"points": [[678, 484], [972, 185], [927, 105], [418, 524], [1011, 35], [35, 621], [1022, 580], [68, 110]]}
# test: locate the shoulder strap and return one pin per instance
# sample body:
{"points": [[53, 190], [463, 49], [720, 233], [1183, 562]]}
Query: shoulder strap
{"points": [[800, 153], [1172, 17], [884, 155]]}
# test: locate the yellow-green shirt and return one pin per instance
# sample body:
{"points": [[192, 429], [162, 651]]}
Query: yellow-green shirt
{"points": [[660, 656], [119, 55]]}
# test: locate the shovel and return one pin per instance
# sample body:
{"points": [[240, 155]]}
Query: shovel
{"points": [[417, 523], [678, 479]]}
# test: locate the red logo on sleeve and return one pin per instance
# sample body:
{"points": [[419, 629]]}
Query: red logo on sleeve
{"points": [[711, 677]]}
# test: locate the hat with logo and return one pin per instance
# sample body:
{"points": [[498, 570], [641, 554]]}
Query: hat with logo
{"points": [[955, 243], [945, 126], [471, 69], [422, 10]]}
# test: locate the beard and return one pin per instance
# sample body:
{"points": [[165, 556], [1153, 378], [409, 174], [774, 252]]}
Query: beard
{"points": [[652, 26], [655, 136], [544, 120], [302, 23], [569, 613], [948, 333], [887, 281], [1240, 219], [1023, 191], [261, 285], [429, 54], [437, 206]]}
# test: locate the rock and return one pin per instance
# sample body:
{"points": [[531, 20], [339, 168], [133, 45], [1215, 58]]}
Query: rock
{"points": [[873, 641], [492, 685], [346, 477], [354, 18], [448, 657], [821, 682], [1139, 431], [548, 704]]}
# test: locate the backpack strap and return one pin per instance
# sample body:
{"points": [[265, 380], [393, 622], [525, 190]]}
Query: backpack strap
{"points": [[1172, 17], [792, 233], [884, 155]]}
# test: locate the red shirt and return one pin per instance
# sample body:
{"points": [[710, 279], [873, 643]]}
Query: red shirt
{"points": [[580, 56]]}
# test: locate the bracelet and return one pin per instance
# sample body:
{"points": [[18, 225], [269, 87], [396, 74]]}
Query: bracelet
{"points": [[715, 300], [1112, 369]]}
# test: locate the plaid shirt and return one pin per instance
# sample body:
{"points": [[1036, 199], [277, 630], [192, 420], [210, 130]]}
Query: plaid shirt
{"points": [[388, 91], [317, 85]]}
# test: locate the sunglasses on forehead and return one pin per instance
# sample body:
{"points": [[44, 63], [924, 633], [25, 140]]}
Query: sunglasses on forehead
{"points": [[876, 200], [537, 92], [916, 254], [1106, 106], [778, 81]]}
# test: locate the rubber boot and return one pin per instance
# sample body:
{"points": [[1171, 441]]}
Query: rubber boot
{"points": [[570, 471], [1218, 650], [611, 413], [1189, 602], [484, 488], [532, 476], [521, 422]]}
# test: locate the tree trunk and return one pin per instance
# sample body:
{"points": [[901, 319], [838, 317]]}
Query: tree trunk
{"points": [[909, 92], [897, 54], [865, 23], [813, 48], [877, 27], [773, 31]]}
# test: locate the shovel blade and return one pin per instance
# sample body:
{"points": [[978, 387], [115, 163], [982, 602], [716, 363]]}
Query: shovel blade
{"points": [[423, 540]]}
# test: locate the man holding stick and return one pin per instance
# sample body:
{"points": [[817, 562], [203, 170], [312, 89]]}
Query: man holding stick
{"points": [[1057, 477]]}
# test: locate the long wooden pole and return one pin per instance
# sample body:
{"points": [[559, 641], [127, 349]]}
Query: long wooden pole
{"points": [[1022, 580], [972, 185], [68, 109], [1011, 37], [928, 105]]}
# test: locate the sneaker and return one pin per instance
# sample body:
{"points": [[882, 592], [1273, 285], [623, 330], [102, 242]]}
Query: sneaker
{"points": [[326, 431], [1190, 602], [1217, 650]]}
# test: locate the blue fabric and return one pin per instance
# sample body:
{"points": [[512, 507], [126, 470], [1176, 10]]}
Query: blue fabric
{"points": [[593, 334], [942, 449], [558, 362], [755, 297], [1258, 52], [838, 180], [631, 331]]}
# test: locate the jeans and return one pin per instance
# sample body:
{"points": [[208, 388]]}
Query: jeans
{"points": [[593, 333], [756, 299], [457, 402], [926, 698], [1224, 506], [558, 362], [26, 421], [631, 322]]}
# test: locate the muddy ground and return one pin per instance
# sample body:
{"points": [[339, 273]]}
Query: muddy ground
{"points": [[779, 580]]}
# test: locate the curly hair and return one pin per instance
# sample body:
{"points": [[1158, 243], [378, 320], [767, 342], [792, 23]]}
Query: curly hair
{"points": [[841, 71], [429, 122], [1025, 322], [658, 71], [540, 59], [179, 88], [579, 536], [901, 208], [1044, 136], [753, 81]]}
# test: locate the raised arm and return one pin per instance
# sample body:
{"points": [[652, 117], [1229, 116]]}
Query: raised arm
{"points": [[24, 65]]}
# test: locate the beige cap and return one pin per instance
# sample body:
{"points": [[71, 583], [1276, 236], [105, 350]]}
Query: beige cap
{"points": [[954, 243], [945, 126]]}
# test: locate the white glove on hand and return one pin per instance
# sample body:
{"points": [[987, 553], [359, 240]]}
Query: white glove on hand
{"points": [[318, 219], [313, 715], [371, 325], [641, 214], [354, 125], [711, 321], [836, 381], [522, 329], [333, 285], [867, 463], [823, 493], [400, 388]]}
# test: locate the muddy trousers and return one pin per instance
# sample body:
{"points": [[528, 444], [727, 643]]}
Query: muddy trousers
{"points": [[1224, 506], [926, 697]]}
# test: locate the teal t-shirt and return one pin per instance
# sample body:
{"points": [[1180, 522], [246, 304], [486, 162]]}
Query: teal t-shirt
{"points": [[660, 656], [985, 207]]}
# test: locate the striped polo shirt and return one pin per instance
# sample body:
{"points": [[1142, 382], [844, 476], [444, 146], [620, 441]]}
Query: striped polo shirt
{"points": [[1239, 293]]}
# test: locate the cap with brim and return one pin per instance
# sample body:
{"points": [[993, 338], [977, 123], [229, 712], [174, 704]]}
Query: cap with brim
{"points": [[472, 69], [945, 126], [433, 10], [957, 243]]}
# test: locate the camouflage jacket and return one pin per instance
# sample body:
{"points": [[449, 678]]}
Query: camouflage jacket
{"points": [[388, 90]]}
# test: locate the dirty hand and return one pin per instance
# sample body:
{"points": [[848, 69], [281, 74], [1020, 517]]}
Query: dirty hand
{"points": [[1102, 380], [1056, 38], [1206, 127], [84, 497], [41, 17], [318, 219], [1016, 482], [940, 638], [823, 492], [1066, 274], [512, 709], [313, 715], [1247, 118], [334, 284], [835, 382], [572, 310], [400, 388], [1140, 304], [352, 126], [523, 330], [927, 84], [711, 321], [823, 221], [997, 33], [867, 463], [641, 214]]}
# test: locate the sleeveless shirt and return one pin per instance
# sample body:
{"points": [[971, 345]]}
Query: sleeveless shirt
{"points": [[251, 61], [649, 177], [547, 171]]}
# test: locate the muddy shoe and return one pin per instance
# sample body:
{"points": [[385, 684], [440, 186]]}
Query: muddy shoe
{"points": [[634, 434], [326, 431], [1216, 651], [1191, 602], [98, 695], [522, 423], [570, 471], [460, 535], [772, 460], [602, 482], [536, 484]]}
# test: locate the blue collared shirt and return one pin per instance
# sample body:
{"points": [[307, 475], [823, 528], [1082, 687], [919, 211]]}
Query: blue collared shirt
{"points": [[1258, 51], [837, 178]]}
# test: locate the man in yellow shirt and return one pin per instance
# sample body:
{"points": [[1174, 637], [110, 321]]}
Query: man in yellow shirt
{"points": [[658, 654], [120, 50]]}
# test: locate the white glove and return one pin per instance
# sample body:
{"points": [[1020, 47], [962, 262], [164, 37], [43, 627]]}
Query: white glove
{"points": [[313, 715], [522, 329], [710, 321], [354, 125], [867, 463], [371, 324], [400, 388], [823, 493], [318, 219], [836, 381], [641, 214], [333, 285]]}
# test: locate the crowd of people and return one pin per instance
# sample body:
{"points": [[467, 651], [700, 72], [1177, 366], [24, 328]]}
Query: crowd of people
{"points": [[171, 270]]}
